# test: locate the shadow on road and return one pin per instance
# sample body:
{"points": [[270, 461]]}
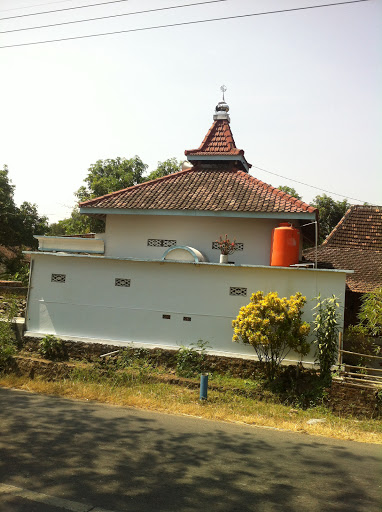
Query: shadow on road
{"points": [[123, 459]]}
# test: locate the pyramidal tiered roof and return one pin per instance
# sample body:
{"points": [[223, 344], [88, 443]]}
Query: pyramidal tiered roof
{"points": [[217, 182], [219, 141]]}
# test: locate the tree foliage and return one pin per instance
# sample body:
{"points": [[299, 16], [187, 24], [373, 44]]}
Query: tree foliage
{"points": [[273, 326], [330, 213], [326, 327], [370, 314], [291, 191], [164, 168], [18, 224], [104, 177]]}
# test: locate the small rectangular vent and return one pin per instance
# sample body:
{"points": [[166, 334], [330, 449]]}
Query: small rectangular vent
{"points": [[158, 242], [186, 319], [166, 317], [58, 278], [236, 290], [121, 281], [239, 246]]}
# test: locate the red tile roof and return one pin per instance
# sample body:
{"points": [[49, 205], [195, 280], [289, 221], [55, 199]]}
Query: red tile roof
{"points": [[204, 189], [360, 227], [218, 141], [355, 244]]}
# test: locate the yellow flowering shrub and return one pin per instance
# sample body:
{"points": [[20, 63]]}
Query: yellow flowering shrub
{"points": [[273, 326]]}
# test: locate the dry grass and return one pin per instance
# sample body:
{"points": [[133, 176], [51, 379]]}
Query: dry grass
{"points": [[219, 406]]}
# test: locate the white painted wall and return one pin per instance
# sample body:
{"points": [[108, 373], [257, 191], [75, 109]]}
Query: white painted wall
{"points": [[127, 235], [89, 305], [71, 244]]}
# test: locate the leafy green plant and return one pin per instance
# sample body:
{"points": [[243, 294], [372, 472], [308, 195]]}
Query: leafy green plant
{"points": [[52, 348], [190, 361], [8, 345], [273, 326], [370, 315], [326, 327]]}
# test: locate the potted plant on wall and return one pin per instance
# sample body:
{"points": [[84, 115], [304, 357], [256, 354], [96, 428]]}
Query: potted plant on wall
{"points": [[226, 247]]}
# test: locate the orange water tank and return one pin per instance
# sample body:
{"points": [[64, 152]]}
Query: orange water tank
{"points": [[285, 245]]}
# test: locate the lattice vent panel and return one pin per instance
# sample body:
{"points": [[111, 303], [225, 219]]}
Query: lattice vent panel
{"points": [[121, 281], [238, 291], [58, 278], [158, 242]]}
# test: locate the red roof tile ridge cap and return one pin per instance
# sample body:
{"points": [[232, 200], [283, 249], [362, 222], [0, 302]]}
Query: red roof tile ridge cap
{"points": [[211, 133], [336, 227], [281, 193], [138, 185], [188, 151]]}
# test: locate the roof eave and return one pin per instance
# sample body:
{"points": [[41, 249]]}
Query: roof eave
{"points": [[199, 213], [222, 158]]}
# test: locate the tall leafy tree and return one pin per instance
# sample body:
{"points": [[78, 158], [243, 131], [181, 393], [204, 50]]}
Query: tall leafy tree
{"points": [[169, 166], [291, 191], [18, 225], [30, 224], [104, 177], [331, 212], [8, 211]]}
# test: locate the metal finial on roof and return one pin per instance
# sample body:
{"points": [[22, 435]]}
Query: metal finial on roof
{"points": [[221, 110], [223, 89]]}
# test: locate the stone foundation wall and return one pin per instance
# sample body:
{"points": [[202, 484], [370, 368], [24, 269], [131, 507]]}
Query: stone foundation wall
{"points": [[347, 398]]}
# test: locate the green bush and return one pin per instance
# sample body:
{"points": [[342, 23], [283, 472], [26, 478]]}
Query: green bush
{"points": [[52, 348], [370, 315], [8, 345], [326, 327], [190, 361]]}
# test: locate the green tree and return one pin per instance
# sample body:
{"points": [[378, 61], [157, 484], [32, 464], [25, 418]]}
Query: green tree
{"points": [[30, 224], [104, 177], [330, 213], [18, 225], [291, 191], [8, 211], [169, 166]]}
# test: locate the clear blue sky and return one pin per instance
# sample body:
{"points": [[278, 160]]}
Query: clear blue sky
{"points": [[304, 90]]}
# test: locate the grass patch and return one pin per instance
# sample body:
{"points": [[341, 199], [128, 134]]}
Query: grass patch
{"points": [[230, 402]]}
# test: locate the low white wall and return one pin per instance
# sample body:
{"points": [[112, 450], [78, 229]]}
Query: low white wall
{"points": [[127, 235], [89, 304], [71, 244]]}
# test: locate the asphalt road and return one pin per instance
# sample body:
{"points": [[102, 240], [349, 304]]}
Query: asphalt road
{"points": [[58, 455]]}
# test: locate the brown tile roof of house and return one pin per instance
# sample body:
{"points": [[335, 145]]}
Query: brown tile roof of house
{"points": [[218, 141], [360, 227], [355, 244], [203, 189]]}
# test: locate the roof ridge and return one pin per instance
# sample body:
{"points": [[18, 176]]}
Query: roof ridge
{"points": [[162, 178], [276, 191], [339, 223]]}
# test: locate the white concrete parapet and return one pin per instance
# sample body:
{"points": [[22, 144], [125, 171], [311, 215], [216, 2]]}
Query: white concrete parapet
{"points": [[70, 244]]}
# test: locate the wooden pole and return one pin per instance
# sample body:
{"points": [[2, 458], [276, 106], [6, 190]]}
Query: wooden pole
{"points": [[340, 348]]}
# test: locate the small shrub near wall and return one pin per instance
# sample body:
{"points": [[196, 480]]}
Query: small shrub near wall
{"points": [[273, 325]]}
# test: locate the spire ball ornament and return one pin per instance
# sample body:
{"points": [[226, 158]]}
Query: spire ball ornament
{"points": [[221, 109]]}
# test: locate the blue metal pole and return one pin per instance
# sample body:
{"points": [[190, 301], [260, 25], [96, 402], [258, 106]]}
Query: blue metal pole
{"points": [[203, 386]]}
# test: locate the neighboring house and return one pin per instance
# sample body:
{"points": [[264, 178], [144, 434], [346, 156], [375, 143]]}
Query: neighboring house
{"points": [[356, 244], [154, 276]]}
